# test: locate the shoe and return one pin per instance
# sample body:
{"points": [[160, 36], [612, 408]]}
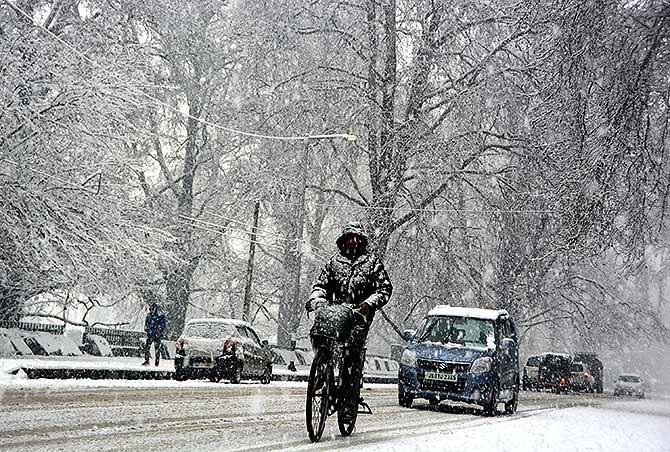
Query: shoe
{"points": [[156, 363], [345, 415], [145, 363]]}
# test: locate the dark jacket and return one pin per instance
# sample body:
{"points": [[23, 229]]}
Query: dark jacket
{"points": [[361, 280], [154, 323]]}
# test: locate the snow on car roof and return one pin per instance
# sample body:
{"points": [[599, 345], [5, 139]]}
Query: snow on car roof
{"points": [[235, 322], [555, 353], [476, 313]]}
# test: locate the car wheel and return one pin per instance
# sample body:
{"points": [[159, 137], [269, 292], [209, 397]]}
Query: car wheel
{"points": [[510, 407], [237, 374], [434, 401], [490, 408], [405, 400], [267, 375], [214, 376], [180, 375]]}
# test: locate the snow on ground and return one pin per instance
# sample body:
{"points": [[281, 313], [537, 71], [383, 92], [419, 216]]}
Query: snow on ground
{"points": [[626, 426]]}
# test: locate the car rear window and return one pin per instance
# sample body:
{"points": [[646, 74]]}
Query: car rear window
{"points": [[210, 330], [629, 378], [577, 367]]}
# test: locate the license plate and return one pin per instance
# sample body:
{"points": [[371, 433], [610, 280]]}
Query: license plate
{"points": [[440, 376], [202, 365]]}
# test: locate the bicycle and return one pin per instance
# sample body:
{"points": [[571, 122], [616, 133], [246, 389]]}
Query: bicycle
{"points": [[331, 387]]}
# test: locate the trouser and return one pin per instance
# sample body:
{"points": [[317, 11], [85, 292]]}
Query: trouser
{"points": [[147, 349], [354, 357]]}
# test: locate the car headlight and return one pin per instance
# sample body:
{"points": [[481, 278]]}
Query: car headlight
{"points": [[408, 358], [481, 365]]}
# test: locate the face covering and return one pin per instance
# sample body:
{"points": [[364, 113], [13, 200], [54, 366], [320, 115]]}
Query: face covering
{"points": [[352, 246]]}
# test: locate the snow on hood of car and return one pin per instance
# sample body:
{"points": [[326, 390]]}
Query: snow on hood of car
{"points": [[448, 352], [475, 313]]}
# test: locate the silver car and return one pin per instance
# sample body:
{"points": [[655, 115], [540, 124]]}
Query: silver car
{"points": [[222, 349], [629, 384]]}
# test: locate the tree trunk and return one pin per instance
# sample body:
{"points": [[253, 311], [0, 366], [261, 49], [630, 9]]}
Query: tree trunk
{"points": [[179, 279]]}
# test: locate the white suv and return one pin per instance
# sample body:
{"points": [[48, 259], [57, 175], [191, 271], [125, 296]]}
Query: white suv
{"points": [[629, 384]]}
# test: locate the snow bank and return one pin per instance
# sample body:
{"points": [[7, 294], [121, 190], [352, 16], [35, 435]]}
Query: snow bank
{"points": [[9, 365], [577, 429]]}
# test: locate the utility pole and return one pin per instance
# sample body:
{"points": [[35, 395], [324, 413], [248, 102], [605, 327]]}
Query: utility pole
{"points": [[246, 315], [292, 303]]}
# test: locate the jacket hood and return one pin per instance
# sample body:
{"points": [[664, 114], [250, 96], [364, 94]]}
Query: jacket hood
{"points": [[352, 229]]}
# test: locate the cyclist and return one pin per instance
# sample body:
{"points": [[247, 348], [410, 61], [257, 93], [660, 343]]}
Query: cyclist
{"points": [[357, 277]]}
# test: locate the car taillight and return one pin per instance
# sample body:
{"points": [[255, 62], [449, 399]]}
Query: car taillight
{"points": [[228, 345], [562, 380], [180, 343]]}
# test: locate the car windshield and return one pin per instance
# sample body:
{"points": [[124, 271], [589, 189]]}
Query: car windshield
{"points": [[464, 331], [577, 368], [629, 378], [533, 361], [210, 330]]}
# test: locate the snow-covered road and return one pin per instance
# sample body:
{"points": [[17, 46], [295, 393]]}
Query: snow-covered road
{"points": [[198, 416]]}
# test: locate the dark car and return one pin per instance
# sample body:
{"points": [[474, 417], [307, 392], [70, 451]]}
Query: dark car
{"points": [[595, 367], [581, 378], [462, 354], [222, 349], [554, 372]]}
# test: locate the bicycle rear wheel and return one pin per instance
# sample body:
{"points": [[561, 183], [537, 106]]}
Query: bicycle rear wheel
{"points": [[318, 395]]}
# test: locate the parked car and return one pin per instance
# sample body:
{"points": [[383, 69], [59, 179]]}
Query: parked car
{"points": [[554, 372], [581, 378], [222, 349], [462, 354], [530, 372], [595, 367], [629, 384]]}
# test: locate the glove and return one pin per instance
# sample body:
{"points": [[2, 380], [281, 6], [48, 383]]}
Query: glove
{"points": [[364, 309], [315, 303]]}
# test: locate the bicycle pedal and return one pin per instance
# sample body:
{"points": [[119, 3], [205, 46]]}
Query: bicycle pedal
{"points": [[366, 408]]}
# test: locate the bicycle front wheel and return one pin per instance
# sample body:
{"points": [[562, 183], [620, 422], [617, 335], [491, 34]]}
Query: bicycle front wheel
{"points": [[319, 387]]}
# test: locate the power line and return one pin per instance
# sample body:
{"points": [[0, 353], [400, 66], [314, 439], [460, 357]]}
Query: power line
{"points": [[184, 219], [416, 209], [267, 233], [157, 101]]}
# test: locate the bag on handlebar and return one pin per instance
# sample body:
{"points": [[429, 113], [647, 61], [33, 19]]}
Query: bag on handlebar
{"points": [[334, 321]]}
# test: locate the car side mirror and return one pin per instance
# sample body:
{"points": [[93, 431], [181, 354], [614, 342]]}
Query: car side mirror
{"points": [[508, 344], [408, 335]]}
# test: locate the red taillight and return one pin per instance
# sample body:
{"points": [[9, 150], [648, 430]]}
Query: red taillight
{"points": [[180, 343], [228, 345]]}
